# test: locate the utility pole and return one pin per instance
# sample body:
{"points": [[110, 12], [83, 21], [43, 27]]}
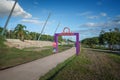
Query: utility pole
{"points": [[44, 25], [57, 27], [5, 26]]}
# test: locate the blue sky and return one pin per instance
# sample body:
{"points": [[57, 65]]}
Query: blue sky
{"points": [[87, 17]]}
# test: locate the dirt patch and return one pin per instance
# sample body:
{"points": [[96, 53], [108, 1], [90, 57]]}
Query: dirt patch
{"points": [[26, 44]]}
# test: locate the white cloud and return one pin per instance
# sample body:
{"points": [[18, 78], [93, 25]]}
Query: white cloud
{"points": [[102, 24], [36, 21], [33, 21], [91, 24], [103, 14], [99, 3], [6, 6], [114, 22], [118, 16], [46, 11], [93, 17], [84, 13], [36, 3], [90, 15]]}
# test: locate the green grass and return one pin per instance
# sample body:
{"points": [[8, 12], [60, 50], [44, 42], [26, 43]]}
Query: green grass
{"points": [[52, 73], [82, 67], [115, 57], [71, 69], [10, 57], [2, 42]]}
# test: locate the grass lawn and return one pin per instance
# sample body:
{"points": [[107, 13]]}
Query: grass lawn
{"points": [[10, 57], [89, 65]]}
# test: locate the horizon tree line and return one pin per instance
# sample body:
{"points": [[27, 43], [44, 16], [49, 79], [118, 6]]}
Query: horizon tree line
{"points": [[110, 38], [20, 32]]}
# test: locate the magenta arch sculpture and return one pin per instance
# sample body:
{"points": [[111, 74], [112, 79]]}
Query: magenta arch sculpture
{"points": [[77, 44]]}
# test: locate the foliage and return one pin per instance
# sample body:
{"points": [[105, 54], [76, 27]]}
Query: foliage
{"points": [[105, 38], [110, 38], [60, 39], [1, 29], [21, 33], [2, 39], [115, 58], [91, 42], [89, 65], [69, 40], [10, 57]]}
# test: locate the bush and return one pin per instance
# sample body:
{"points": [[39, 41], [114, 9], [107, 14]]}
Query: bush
{"points": [[2, 39]]}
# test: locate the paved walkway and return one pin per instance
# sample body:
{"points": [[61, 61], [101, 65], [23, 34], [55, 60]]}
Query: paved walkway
{"points": [[33, 70]]}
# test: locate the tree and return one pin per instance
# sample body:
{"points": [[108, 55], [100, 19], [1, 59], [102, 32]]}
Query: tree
{"points": [[116, 29], [105, 38], [60, 39], [1, 29], [110, 38], [91, 42], [20, 31], [32, 35]]}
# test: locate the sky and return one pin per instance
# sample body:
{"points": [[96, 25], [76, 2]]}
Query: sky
{"points": [[86, 17]]}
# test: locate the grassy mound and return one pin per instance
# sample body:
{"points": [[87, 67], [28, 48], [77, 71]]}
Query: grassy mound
{"points": [[10, 57]]}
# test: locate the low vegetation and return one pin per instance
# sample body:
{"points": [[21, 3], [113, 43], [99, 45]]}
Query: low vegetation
{"points": [[110, 39], [89, 65], [10, 57], [20, 32]]}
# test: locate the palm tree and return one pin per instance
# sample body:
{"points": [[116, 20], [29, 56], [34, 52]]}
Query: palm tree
{"points": [[20, 31]]}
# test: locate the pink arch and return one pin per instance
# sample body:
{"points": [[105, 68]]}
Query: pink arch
{"points": [[77, 45], [65, 29]]}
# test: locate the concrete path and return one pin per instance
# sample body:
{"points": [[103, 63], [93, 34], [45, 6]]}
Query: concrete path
{"points": [[33, 70]]}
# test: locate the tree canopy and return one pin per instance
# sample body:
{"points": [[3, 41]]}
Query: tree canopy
{"points": [[20, 32], [105, 38]]}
